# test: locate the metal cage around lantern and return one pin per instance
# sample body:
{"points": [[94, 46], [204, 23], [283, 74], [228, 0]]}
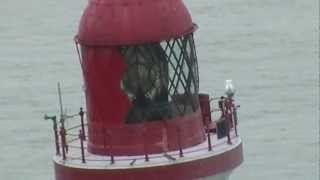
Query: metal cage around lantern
{"points": [[162, 79]]}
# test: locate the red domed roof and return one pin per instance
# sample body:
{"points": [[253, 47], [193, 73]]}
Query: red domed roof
{"points": [[121, 22]]}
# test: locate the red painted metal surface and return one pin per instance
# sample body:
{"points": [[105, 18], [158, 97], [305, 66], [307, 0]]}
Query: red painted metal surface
{"points": [[120, 22], [184, 171], [204, 100], [103, 69], [132, 139]]}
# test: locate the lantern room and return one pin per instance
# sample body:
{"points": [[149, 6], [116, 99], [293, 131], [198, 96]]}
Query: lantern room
{"points": [[141, 76]]}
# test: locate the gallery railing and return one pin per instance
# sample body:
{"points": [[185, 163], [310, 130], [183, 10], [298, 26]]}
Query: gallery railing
{"points": [[66, 137]]}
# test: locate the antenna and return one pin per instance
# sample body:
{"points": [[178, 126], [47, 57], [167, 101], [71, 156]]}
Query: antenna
{"points": [[60, 105]]}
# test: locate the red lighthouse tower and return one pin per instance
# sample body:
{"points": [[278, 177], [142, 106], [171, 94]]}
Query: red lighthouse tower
{"points": [[145, 118]]}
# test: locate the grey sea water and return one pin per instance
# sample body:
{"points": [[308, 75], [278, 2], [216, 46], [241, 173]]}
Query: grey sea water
{"points": [[269, 48]]}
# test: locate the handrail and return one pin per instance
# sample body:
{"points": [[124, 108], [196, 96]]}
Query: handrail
{"points": [[66, 140], [135, 158]]}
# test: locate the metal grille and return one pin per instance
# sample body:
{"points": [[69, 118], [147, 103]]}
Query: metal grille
{"points": [[162, 79]]}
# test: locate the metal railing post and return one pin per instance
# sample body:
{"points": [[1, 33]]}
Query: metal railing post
{"points": [[56, 135], [229, 117], [235, 118], [81, 113], [111, 150], [146, 156], [63, 142], [179, 142], [209, 141], [111, 158], [228, 128], [55, 131], [81, 137]]}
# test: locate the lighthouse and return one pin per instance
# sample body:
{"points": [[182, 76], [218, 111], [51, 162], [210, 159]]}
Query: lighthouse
{"points": [[145, 117]]}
